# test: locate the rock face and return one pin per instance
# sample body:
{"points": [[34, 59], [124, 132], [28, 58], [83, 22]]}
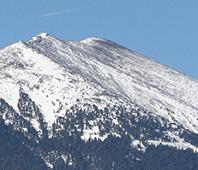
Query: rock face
{"points": [[93, 104]]}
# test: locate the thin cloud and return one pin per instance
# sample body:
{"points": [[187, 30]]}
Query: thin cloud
{"points": [[68, 11]]}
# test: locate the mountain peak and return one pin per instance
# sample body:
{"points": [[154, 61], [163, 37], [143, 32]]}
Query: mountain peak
{"points": [[100, 70], [40, 36], [19, 44], [91, 40], [95, 89]]}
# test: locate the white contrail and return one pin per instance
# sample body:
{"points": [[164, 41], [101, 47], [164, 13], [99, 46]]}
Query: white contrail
{"points": [[63, 12]]}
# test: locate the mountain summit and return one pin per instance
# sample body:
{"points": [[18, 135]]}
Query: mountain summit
{"points": [[68, 102]]}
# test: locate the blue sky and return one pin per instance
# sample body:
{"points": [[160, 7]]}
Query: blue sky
{"points": [[165, 30]]}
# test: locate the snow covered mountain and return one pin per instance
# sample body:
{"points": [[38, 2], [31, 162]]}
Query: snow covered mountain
{"points": [[97, 91]]}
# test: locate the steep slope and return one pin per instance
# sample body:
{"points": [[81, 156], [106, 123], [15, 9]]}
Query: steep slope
{"points": [[94, 89]]}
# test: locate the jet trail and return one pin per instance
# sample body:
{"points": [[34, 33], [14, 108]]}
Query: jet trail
{"points": [[63, 12]]}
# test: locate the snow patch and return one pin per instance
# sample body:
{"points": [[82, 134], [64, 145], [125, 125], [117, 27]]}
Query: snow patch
{"points": [[178, 145]]}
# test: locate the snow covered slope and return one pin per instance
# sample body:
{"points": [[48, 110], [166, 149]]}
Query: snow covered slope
{"points": [[59, 74]]}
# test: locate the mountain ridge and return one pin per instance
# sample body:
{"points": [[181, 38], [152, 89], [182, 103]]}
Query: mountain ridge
{"points": [[49, 38], [94, 91]]}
